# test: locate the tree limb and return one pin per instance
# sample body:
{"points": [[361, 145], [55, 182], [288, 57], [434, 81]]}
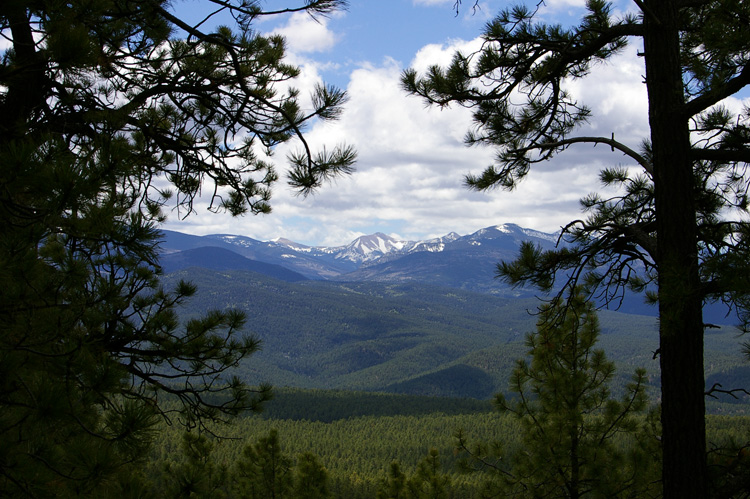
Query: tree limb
{"points": [[715, 95], [594, 140]]}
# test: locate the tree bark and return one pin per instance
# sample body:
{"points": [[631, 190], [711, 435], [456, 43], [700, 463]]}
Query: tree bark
{"points": [[684, 471], [25, 91]]}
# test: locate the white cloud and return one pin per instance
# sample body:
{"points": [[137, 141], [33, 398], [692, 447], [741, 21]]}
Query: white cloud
{"points": [[305, 34], [615, 89], [412, 160], [412, 163], [442, 54]]}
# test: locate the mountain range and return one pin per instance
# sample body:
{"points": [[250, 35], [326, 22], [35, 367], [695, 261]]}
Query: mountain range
{"points": [[464, 262], [419, 317]]}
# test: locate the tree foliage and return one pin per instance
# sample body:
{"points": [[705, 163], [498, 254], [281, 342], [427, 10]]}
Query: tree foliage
{"points": [[429, 481], [264, 470], [113, 111], [357, 451], [677, 226], [615, 246], [261, 470], [198, 475], [569, 419]]}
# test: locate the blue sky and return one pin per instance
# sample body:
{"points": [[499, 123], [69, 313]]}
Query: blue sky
{"points": [[372, 30], [412, 160]]}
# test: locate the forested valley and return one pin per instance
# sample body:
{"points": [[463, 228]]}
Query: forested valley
{"points": [[355, 437], [121, 379], [345, 443]]}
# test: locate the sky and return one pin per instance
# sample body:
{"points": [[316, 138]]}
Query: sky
{"points": [[412, 159]]}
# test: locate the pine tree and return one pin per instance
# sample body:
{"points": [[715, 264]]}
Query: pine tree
{"points": [[108, 118], [429, 481], [678, 222], [310, 479], [264, 471], [569, 419], [198, 475], [394, 486]]}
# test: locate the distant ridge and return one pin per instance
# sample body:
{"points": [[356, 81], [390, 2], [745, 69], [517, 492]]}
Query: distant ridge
{"points": [[214, 258], [413, 338], [462, 262], [412, 317], [483, 248]]}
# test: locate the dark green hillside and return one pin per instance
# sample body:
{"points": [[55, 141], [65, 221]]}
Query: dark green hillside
{"points": [[217, 258], [333, 405], [459, 380], [356, 336], [411, 338]]}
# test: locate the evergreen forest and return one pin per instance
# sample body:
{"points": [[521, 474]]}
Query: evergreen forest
{"points": [[121, 379], [357, 437]]}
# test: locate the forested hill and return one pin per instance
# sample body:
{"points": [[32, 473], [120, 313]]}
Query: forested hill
{"points": [[411, 338]]}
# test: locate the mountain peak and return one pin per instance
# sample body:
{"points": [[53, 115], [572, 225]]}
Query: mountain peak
{"points": [[372, 246], [365, 251], [282, 241], [507, 228]]}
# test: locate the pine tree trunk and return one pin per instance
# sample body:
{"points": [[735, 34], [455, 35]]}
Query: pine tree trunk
{"points": [[574, 488], [681, 320]]}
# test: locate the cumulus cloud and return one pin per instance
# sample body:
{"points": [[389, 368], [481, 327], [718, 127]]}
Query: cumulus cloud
{"points": [[305, 34], [412, 160]]}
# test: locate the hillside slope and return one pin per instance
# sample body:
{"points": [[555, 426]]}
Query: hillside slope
{"points": [[409, 337]]}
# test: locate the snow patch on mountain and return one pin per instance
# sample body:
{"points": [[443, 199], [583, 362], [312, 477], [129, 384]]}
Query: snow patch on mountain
{"points": [[515, 230], [379, 247], [371, 247], [541, 235], [243, 241], [301, 248]]}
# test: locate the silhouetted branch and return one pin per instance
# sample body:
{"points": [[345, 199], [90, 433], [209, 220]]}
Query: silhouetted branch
{"points": [[718, 389]]}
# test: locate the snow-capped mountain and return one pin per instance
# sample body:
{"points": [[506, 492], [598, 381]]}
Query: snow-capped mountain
{"points": [[454, 260], [465, 262], [512, 232], [375, 247], [434, 245], [372, 247]]}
